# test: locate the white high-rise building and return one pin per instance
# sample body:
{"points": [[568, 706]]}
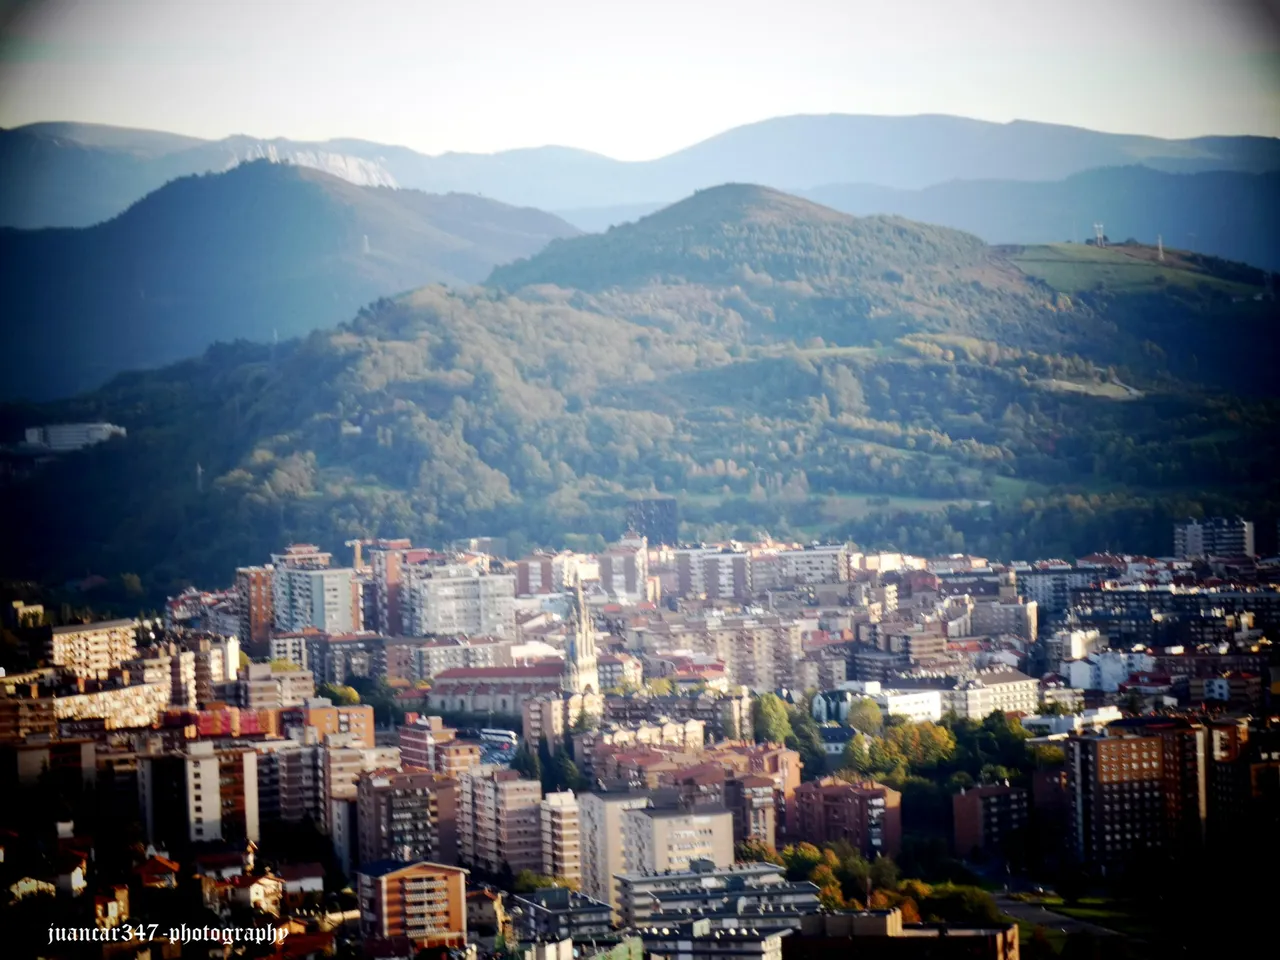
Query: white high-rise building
{"points": [[323, 599], [561, 836], [459, 599], [1213, 537]]}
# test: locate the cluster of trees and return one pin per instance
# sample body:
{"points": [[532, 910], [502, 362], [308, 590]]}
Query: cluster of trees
{"points": [[847, 880], [555, 769], [775, 721]]}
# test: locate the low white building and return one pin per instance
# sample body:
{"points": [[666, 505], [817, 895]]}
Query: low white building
{"points": [[1106, 670]]}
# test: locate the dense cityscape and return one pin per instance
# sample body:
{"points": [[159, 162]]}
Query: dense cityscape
{"points": [[688, 750]]}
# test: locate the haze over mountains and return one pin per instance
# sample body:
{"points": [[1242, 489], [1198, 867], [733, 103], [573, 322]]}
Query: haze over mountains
{"points": [[66, 174], [263, 250]]}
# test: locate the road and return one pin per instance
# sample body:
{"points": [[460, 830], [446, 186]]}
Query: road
{"points": [[1034, 913]]}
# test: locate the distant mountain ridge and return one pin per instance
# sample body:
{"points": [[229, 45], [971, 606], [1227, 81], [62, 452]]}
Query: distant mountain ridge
{"points": [[1226, 214], [67, 174], [261, 250]]}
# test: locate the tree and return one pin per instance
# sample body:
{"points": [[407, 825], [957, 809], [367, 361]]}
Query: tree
{"points": [[884, 874], [342, 696], [865, 716], [659, 686], [800, 860], [857, 755], [525, 762], [770, 722]]}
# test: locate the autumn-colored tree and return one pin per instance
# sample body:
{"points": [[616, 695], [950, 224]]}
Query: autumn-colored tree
{"points": [[800, 860], [829, 893], [865, 716]]}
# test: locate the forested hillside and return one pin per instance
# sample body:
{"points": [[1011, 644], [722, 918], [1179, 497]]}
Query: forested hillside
{"points": [[776, 366], [263, 250]]}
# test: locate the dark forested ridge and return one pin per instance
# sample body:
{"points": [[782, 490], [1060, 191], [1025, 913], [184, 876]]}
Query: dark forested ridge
{"points": [[775, 365], [260, 251]]}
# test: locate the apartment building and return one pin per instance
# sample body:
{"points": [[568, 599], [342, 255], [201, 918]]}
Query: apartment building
{"points": [[170, 666], [206, 793], [868, 815], [1008, 691], [1015, 616], [93, 650], [558, 913], [1186, 752], [352, 722], [1115, 786], [255, 607], [659, 839], [264, 685], [624, 570], [291, 781], [713, 572], [561, 836], [423, 902], [809, 564], [326, 599], [989, 819], [752, 801], [601, 820], [642, 894], [657, 519], [336, 657], [543, 573], [408, 816], [98, 705], [1213, 537], [458, 599], [500, 821]]}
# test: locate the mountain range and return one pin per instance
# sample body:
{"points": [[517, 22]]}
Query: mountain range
{"points": [[67, 174], [262, 251], [773, 363], [1224, 213]]}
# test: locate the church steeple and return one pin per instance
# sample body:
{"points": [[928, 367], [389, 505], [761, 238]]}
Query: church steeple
{"points": [[581, 674]]}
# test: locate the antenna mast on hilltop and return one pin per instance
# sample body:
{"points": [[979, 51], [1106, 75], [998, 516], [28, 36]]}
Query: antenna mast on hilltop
{"points": [[1160, 248], [1098, 236]]}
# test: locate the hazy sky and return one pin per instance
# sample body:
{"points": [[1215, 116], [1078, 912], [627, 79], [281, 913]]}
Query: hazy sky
{"points": [[632, 79]]}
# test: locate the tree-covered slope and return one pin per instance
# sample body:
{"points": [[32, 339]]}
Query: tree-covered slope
{"points": [[263, 250], [536, 412]]}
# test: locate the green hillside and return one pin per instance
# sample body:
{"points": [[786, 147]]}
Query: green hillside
{"points": [[261, 250], [1133, 268], [952, 415]]}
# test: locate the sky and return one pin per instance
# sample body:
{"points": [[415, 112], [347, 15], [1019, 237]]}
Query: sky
{"points": [[632, 80]]}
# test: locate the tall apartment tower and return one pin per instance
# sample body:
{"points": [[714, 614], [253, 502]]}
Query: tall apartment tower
{"points": [[407, 816], [600, 819], [657, 519], [1115, 787], [667, 840], [255, 605], [205, 794], [500, 821], [561, 837], [1213, 537], [624, 570]]}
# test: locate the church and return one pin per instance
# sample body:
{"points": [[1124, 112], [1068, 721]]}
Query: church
{"points": [[505, 690]]}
